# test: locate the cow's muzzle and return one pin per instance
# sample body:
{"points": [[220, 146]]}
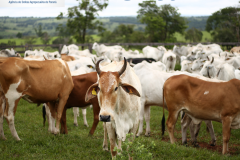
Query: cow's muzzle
{"points": [[105, 118]]}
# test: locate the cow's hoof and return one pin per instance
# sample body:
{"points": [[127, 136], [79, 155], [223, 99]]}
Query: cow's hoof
{"points": [[75, 124], [147, 134], [213, 143], [195, 144], [105, 147], [4, 138], [86, 125], [56, 132], [185, 144]]}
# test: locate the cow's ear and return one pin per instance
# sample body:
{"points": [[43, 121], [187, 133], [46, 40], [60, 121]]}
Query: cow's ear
{"points": [[91, 92], [130, 89]]}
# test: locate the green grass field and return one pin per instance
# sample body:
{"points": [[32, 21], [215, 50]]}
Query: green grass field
{"points": [[37, 143], [206, 37]]}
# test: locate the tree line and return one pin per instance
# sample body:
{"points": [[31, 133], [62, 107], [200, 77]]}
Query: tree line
{"points": [[160, 24]]}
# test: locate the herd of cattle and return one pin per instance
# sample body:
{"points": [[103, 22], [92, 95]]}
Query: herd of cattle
{"points": [[121, 92]]}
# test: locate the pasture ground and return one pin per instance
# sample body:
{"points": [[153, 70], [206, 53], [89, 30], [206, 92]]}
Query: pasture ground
{"points": [[37, 143]]}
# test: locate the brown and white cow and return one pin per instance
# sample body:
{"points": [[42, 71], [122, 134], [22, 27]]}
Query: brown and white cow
{"points": [[67, 58], [118, 90], [203, 100], [77, 99], [235, 50], [21, 78]]}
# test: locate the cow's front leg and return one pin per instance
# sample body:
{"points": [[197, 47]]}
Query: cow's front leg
{"points": [[141, 115], [112, 138], [147, 119], [2, 108], [9, 114], [105, 142]]}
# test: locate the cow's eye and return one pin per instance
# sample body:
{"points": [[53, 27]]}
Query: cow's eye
{"points": [[116, 88], [89, 66]]}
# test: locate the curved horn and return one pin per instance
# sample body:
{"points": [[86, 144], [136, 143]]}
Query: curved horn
{"points": [[97, 67], [212, 59], [123, 68], [208, 58]]}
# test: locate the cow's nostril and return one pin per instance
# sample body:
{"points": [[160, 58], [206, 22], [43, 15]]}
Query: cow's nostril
{"points": [[105, 118]]}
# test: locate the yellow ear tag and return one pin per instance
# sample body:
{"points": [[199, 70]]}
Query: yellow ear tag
{"points": [[130, 91], [94, 92]]}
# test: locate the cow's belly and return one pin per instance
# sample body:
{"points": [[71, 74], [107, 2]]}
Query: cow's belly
{"points": [[236, 122], [198, 114], [36, 100]]}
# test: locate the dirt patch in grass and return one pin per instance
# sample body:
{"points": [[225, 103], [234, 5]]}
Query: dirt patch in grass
{"points": [[234, 149]]}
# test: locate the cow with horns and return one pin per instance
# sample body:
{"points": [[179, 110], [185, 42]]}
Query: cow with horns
{"points": [[118, 90]]}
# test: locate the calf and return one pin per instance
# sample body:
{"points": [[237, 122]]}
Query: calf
{"points": [[203, 100]]}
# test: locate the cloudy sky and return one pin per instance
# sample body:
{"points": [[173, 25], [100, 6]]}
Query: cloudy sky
{"points": [[123, 8]]}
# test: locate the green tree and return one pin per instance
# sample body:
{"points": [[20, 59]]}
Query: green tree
{"points": [[162, 21], [19, 35], [224, 23], [64, 35], [149, 15], [83, 17], [30, 40], [38, 30], [122, 34], [194, 35], [45, 38]]}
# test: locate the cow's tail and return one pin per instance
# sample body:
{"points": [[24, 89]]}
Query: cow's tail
{"points": [[163, 118], [44, 114]]}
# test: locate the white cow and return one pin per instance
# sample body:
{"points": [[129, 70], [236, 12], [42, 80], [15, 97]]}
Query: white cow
{"points": [[186, 65], [182, 51], [29, 53], [237, 73], [169, 59], [207, 49], [84, 61], [9, 53], [155, 53], [118, 90], [101, 49], [67, 49], [222, 71], [51, 55]]}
